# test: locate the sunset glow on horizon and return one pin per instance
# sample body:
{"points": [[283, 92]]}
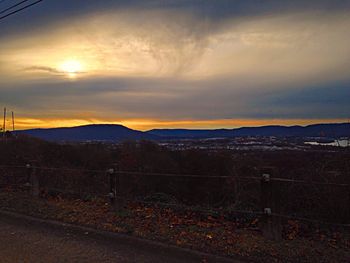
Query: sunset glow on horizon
{"points": [[148, 124]]}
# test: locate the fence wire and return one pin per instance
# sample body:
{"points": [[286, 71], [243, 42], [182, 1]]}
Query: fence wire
{"points": [[191, 208], [125, 172]]}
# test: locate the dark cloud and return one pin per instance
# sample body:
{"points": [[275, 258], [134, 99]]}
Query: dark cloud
{"points": [[328, 100], [54, 71], [169, 99], [56, 12], [43, 69]]}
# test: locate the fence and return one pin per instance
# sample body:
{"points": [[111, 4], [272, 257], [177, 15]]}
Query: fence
{"points": [[111, 184]]}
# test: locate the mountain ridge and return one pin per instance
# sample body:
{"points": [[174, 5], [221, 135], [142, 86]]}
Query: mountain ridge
{"points": [[313, 130], [118, 132], [91, 132]]}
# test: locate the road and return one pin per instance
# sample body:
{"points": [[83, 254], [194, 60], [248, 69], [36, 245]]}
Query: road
{"points": [[22, 241]]}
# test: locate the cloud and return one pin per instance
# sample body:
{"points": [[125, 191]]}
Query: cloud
{"points": [[43, 69], [176, 100], [178, 60], [295, 47]]}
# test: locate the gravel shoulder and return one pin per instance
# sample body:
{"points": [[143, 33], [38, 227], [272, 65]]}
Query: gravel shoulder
{"points": [[26, 239], [153, 234]]}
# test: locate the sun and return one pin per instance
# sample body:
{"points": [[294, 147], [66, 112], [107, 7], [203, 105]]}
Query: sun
{"points": [[71, 67]]}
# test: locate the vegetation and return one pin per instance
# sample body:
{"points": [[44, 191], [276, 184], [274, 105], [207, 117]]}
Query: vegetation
{"points": [[186, 210], [325, 202]]}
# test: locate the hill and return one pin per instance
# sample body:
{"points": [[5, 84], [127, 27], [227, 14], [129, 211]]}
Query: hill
{"points": [[98, 132], [316, 130], [113, 132]]}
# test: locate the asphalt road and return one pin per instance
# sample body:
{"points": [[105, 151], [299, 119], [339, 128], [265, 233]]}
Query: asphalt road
{"points": [[22, 241]]}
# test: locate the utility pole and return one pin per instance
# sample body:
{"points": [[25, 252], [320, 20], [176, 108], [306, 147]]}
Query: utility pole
{"points": [[4, 125], [13, 123]]}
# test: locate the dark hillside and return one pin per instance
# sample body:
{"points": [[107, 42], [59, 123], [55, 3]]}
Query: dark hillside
{"points": [[100, 132]]}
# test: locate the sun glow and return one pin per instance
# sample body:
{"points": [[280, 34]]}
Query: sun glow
{"points": [[71, 67]]}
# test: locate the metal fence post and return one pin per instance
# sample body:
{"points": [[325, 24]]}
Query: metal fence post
{"points": [[270, 224], [115, 189], [112, 190], [28, 180], [348, 203], [34, 180], [119, 201], [28, 172]]}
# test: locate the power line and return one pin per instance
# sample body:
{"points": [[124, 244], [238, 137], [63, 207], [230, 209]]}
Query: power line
{"points": [[11, 7], [18, 10]]}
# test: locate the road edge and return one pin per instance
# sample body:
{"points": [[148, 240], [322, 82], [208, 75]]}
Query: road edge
{"points": [[119, 237]]}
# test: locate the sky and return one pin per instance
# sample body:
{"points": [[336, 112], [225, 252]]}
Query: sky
{"points": [[171, 64]]}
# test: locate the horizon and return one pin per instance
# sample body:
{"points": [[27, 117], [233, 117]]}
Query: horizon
{"points": [[180, 128], [176, 64]]}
